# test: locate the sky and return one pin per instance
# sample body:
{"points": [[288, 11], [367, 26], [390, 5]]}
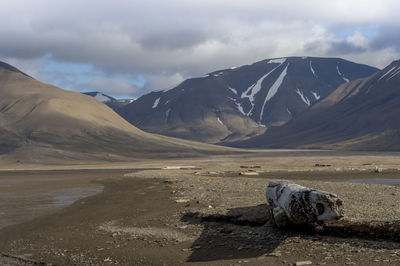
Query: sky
{"points": [[126, 48]]}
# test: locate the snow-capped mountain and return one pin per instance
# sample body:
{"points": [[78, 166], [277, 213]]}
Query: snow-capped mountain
{"points": [[101, 97], [360, 115], [238, 103]]}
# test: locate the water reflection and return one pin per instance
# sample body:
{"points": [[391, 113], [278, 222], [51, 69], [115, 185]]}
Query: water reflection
{"points": [[20, 205]]}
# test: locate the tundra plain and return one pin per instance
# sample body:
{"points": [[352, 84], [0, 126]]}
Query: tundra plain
{"points": [[140, 214]]}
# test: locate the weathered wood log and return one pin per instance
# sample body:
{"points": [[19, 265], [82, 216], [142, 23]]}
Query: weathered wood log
{"points": [[295, 204]]}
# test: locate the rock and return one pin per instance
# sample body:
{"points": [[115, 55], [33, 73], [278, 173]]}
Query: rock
{"points": [[248, 173], [182, 201], [295, 204], [250, 166], [306, 262], [377, 169], [274, 254]]}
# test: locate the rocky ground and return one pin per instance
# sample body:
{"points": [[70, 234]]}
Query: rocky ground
{"points": [[211, 216]]}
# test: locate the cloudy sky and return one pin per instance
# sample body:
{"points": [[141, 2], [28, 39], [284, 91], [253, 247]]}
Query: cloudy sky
{"points": [[127, 48]]}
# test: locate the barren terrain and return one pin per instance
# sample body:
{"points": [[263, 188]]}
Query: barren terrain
{"points": [[210, 216]]}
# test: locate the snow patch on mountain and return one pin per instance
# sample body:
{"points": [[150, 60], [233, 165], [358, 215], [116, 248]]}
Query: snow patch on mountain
{"points": [[387, 73], [240, 108], [167, 115], [303, 97], [316, 96], [312, 70], [287, 110], [219, 120], [233, 90], [341, 75], [274, 89], [156, 103], [397, 71], [255, 88], [277, 61]]}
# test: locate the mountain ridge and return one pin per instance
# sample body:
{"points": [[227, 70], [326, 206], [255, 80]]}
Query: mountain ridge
{"points": [[361, 115], [239, 103], [41, 122]]}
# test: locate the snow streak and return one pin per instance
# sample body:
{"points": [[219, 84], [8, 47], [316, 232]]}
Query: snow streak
{"points": [[312, 69], [316, 96], [341, 75], [255, 88], [167, 115], [233, 90], [303, 98], [156, 103], [277, 61], [387, 73], [274, 89]]}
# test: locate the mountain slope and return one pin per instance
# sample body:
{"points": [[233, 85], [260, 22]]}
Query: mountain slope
{"points": [[239, 103], [361, 115], [39, 120]]}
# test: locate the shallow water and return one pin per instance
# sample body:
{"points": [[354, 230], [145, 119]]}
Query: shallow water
{"points": [[380, 181], [22, 199]]}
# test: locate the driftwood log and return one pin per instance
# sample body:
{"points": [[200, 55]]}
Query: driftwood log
{"points": [[295, 204]]}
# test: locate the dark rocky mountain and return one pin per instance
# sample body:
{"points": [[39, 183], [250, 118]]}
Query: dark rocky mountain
{"points": [[239, 103], [361, 115], [115, 104], [100, 96], [40, 123]]}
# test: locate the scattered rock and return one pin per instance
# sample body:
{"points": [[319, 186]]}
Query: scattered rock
{"points": [[182, 201], [274, 254], [306, 262], [248, 173]]}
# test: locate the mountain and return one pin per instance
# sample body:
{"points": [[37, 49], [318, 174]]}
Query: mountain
{"points": [[239, 103], [40, 122], [115, 104], [100, 96], [361, 115]]}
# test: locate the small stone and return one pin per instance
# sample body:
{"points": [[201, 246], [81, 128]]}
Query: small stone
{"points": [[274, 254], [182, 201], [226, 230], [306, 262]]}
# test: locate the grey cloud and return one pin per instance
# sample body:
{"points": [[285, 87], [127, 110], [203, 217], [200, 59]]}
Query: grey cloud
{"points": [[388, 37], [335, 48], [167, 41]]}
